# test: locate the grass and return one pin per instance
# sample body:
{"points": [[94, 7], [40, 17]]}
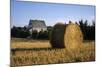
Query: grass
{"points": [[42, 53]]}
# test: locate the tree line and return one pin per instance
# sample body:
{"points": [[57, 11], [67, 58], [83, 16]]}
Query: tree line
{"points": [[87, 30], [22, 32]]}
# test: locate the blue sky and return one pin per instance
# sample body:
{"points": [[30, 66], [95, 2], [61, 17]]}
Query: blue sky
{"points": [[22, 12]]}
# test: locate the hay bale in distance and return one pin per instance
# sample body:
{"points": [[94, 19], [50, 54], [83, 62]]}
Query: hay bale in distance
{"points": [[66, 36]]}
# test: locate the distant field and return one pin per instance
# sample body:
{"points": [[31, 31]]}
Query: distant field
{"points": [[28, 52], [29, 43]]}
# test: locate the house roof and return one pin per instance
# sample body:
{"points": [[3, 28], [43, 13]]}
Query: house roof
{"points": [[37, 24]]}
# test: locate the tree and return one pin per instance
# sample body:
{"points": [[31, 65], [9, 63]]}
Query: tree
{"points": [[43, 35], [19, 32], [34, 34], [88, 31]]}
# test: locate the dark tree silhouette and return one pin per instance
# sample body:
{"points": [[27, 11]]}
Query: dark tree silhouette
{"points": [[34, 34], [87, 30], [19, 32]]}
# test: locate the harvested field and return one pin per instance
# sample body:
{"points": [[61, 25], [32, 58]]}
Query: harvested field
{"points": [[29, 43], [32, 55]]}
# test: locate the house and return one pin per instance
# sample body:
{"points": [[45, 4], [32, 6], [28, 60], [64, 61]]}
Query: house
{"points": [[37, 25]]}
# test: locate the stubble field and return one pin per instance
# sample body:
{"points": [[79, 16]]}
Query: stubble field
{"points": [[32, 52]]}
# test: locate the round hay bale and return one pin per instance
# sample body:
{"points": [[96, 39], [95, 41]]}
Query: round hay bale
{"points": [[73, 37], [67, 36], [57, 36]]}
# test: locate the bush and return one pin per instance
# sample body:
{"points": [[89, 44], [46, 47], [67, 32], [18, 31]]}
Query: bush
{"points": [[43, 35]]}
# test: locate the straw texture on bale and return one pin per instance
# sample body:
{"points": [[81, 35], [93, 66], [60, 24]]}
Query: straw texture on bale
{"points": [[73, 37], [57, 36], [67, 36]]}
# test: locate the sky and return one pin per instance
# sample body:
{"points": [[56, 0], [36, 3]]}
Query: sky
{"points": [[51, 13]]}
